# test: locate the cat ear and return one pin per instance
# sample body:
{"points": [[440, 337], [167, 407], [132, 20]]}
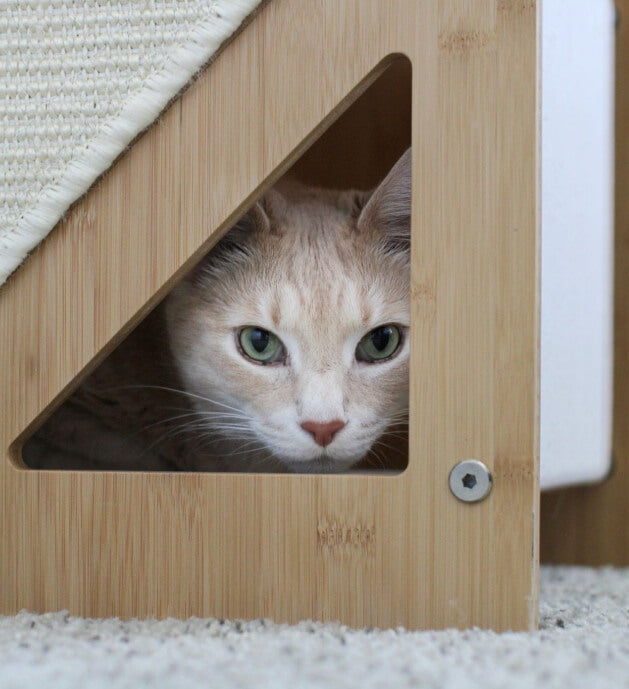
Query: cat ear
{"points": [[269, 210], [254, 220], [240, 238], [237, 244], [274, 205], [388, 210]]}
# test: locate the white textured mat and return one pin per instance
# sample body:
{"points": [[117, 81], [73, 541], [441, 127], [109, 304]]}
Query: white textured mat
{"points": [[78, 81], [583, 642]]}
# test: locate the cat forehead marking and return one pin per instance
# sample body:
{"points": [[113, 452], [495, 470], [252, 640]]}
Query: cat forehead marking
{"points": [[329, 307]]}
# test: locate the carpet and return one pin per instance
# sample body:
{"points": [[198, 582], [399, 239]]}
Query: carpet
{"points": [[583, 641]]}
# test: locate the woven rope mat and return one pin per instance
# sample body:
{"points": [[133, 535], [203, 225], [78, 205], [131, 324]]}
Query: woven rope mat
{"points": [[78, 81]]}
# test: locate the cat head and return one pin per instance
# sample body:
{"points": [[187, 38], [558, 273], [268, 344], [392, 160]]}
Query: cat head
{"points": [[292, 334]]}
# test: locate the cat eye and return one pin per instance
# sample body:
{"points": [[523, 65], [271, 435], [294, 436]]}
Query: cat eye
{"points": [[379, 344], [261, 345]]}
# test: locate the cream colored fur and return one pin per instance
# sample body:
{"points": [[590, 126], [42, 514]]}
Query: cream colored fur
{"points": [[319, 269]]}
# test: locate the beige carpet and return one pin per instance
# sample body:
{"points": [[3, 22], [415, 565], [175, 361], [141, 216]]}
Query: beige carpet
{"points": [[583, 643]]}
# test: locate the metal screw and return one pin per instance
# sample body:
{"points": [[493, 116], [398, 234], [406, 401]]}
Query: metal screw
{"points": [[470, 480]]}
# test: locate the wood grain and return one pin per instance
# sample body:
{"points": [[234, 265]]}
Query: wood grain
{"points": [[589, 525], [367, 550]]}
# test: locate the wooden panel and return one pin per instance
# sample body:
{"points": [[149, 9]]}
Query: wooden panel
{"points": [[366, 141], [590, 525], [367, 550]]}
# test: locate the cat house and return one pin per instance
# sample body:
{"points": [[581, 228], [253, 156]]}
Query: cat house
{"points": [[369, 550]]}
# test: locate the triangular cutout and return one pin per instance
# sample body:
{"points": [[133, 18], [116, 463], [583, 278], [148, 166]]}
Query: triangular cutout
{"points": [[155, 402]]}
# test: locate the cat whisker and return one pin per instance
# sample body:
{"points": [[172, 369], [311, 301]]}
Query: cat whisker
{"points": [[380, 443], [374, 455], [207, 412], [213, 428], [170, 419], [241, 448], [190, 427], [245, 451], [402, 422], [224, 432], [262, 462], [180, 392]]}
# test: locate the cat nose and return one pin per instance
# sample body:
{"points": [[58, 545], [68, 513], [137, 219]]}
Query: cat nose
{"points": [[323, 433]]}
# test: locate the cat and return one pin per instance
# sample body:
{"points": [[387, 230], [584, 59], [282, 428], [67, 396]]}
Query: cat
{"points": [[285, 349]]}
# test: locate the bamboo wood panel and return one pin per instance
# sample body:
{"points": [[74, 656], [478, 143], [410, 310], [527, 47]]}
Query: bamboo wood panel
{"points": [[589, 525], [367, 550]]}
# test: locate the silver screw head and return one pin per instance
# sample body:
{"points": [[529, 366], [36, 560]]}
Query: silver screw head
{"points": [[470, 480]]}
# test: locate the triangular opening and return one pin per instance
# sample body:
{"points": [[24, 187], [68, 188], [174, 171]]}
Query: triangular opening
{"points": [[286, 347]]}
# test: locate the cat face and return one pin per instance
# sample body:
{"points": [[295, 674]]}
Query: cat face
{"points": [[293, 334]]}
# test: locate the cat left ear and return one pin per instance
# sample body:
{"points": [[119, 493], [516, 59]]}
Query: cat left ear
{"points": [[388, 210]]}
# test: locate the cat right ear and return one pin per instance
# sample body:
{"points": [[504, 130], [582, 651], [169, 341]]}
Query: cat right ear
{"points": [[254, 220], [257, 220], [261, 217], [388, 210], [237, 244]]}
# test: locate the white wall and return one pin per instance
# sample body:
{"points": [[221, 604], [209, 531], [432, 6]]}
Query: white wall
{"points": [[577, 227]]}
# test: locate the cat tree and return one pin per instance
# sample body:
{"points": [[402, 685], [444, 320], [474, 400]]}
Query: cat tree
{"points": [[368, 550]]}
